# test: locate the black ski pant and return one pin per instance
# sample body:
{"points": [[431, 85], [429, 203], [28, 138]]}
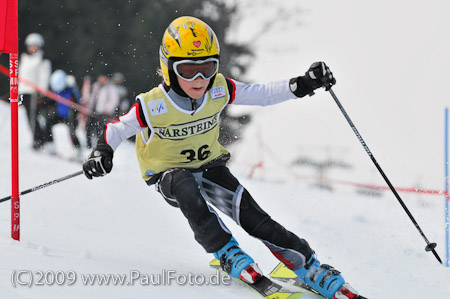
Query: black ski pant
{"points": [[195, 191], [33, 109], [71, 122]]}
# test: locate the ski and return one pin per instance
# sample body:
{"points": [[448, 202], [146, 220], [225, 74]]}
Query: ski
{"points": [[266, 287], [285, 275]]}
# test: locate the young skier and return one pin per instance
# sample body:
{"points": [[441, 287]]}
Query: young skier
{"points": [[177, 129]]}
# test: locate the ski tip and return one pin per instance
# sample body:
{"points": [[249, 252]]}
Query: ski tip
{"points": [[282, 271], [214, 263], [285, 296]]}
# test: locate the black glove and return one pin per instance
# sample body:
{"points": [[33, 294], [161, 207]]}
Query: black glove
{"points": [[318, 75], [99, 161]]}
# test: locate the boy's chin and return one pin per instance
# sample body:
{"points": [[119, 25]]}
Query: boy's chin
{"points": [[196, 94]]}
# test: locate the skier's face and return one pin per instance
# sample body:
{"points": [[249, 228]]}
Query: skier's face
{"points": [[194, 89]]}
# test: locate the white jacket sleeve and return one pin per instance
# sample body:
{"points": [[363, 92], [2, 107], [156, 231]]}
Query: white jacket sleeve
{"points": [[261, 94], [128, 125], [45, 71]]}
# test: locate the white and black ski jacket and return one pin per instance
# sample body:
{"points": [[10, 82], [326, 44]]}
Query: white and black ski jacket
{"points": [[134, 122]]}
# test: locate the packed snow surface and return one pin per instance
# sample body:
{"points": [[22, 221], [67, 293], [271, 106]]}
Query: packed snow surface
{"points": [[118, 225]]}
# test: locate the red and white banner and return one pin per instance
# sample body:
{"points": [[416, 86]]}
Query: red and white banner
{"points": [[9, 40], [9, 43]]}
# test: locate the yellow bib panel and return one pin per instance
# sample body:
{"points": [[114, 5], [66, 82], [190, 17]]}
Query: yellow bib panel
{"points": [[177, 138]]}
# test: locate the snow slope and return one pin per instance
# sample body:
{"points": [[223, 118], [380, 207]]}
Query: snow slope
{"points": [[116, 224]]}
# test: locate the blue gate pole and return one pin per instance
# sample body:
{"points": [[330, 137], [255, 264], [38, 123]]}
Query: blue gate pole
{"points": [[447, 196]]}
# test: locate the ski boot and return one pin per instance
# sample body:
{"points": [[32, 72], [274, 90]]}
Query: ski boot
{"points": [[237, 263], [323, 278]]}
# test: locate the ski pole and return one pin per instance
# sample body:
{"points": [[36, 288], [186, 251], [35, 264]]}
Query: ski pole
{"points": [[430, 246], [51, 183]]}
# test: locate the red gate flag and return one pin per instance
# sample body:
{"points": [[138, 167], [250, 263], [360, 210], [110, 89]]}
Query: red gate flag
{"points": [[9, 26], [9, 43]]}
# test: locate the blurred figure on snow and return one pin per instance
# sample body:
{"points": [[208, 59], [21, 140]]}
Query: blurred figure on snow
{"points": [[34, 68], [124, 102], [85, 94], [102, 101], [124, 106], [65, 86]]}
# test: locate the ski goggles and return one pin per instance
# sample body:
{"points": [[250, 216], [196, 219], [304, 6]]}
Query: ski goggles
{"points": [[190, 70]]}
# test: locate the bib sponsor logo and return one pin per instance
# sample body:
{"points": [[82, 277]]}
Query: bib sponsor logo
{"points": [[157, 107], [183, 131], [218, 92]]}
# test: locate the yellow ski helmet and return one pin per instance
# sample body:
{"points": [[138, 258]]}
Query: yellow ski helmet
{"points": [[186, 38]]}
